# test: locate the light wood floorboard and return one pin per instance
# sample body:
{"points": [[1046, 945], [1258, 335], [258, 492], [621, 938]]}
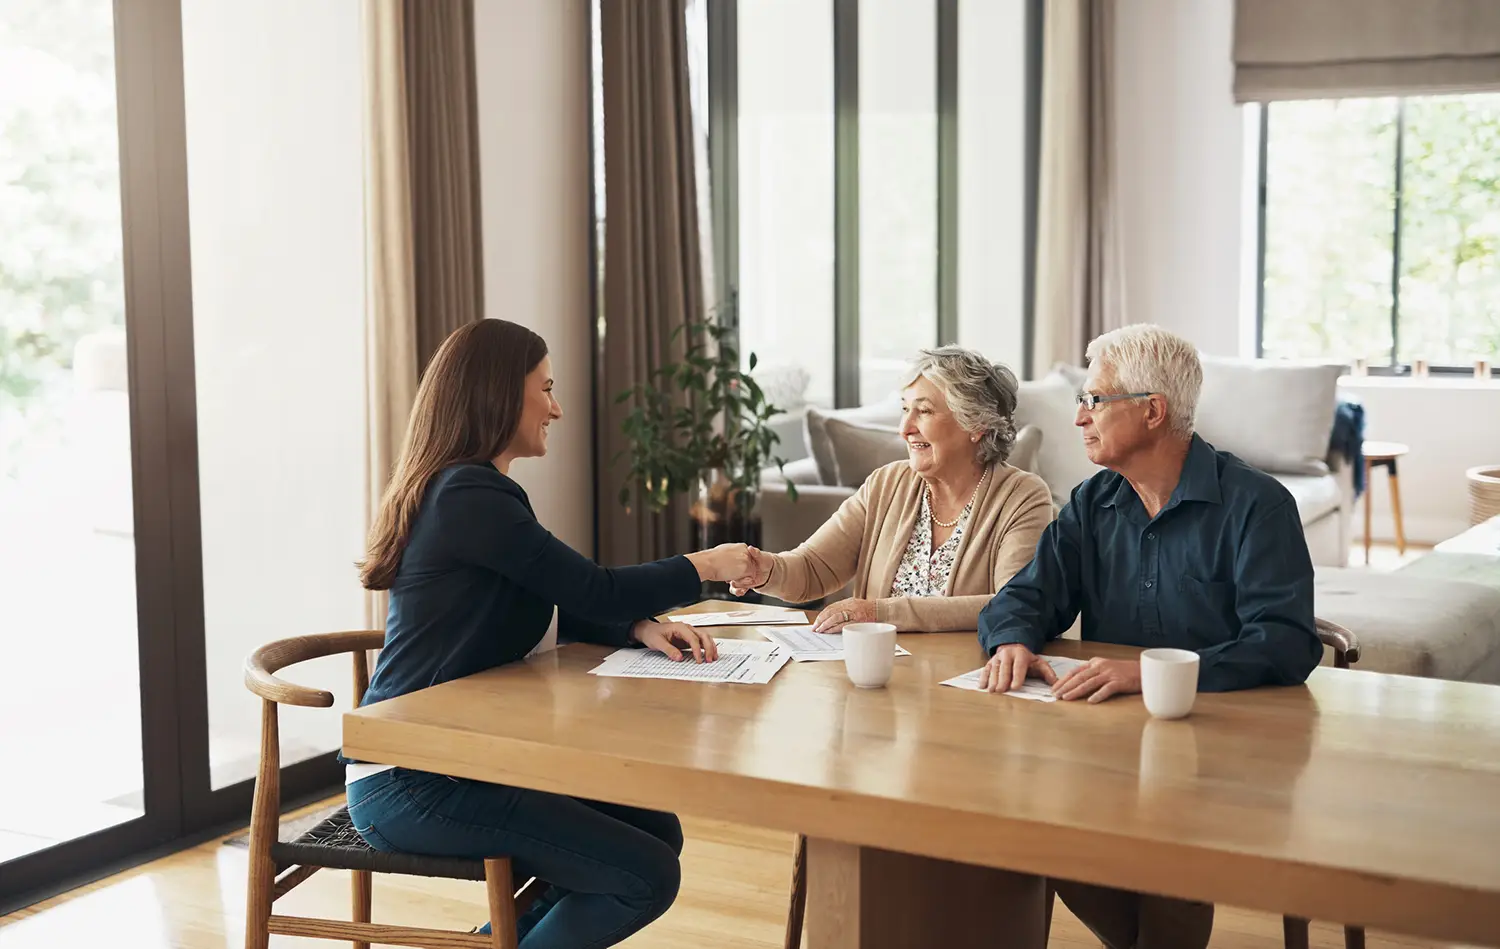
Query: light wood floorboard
{"points": [[733, 896]]}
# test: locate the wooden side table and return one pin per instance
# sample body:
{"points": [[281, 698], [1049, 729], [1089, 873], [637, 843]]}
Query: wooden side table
{"points": [[1384, 455]]}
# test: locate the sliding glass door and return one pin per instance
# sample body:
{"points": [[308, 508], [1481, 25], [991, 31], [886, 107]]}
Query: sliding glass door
{"points": [[68, 625], [167, 503]]}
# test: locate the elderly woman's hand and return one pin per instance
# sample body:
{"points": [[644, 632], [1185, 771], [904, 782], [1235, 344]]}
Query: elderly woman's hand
{"points": [[838, 615]]}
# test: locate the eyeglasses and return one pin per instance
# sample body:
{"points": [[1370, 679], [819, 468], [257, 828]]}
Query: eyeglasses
{"points": [[1091, 401]]}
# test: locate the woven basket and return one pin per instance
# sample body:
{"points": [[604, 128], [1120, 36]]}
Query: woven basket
{"points": [[1484, 493]]}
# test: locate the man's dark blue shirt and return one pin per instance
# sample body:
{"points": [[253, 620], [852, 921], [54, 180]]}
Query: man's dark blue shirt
{"points": [[1222, 569]]}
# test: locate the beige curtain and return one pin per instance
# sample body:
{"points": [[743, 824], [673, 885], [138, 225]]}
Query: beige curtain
{"points": [[1324, 49], [1080, 285], [652, 269], [422, 225], [390, 281], [443, 140]]}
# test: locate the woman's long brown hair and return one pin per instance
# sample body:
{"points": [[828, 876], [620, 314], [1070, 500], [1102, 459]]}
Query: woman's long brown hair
{"points": [[467, 410]]}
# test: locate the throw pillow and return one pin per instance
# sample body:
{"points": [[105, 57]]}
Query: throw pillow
{"points": [[859, 449], [1276, 416], [885, 413], [1050, 404], [1028, 444]]}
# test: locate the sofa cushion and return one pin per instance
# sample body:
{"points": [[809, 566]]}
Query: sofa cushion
{"points": [[885, 413], [802, 472], [1421, 626], [1027, 449], [1316, 495], [859, 449], [1275, 415], [1050, 404]]}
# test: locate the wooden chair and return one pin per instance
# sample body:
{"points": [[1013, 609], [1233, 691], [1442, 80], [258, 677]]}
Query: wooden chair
{"points": [[1294, 930], [1345, 646], [277, 867]]}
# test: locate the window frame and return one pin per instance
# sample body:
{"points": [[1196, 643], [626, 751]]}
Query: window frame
{"points": [[723, 99], [1395, 367]]}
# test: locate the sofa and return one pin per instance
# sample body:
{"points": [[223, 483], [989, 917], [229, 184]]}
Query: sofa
{"points": [[1275, 415]]}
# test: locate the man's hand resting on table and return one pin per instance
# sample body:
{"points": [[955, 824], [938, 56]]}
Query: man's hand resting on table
{"points": [[1098, 679], [1009, 667]]}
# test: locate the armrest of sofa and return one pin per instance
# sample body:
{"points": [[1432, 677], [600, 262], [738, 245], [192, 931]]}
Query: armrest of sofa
{"points": [[786, 523], [1343, 474]]}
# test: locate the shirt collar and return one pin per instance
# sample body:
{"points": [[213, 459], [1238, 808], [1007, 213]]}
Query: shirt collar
{"points": [[1199, 480]]}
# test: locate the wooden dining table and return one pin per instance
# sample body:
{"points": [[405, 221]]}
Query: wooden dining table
{"points": [[1359, 798]]}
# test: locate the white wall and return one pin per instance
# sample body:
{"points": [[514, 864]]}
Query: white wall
{"points": [[1180, 140], [533, 74], [1187, 203], [1450, 424], [277, 218], [991, 178]]}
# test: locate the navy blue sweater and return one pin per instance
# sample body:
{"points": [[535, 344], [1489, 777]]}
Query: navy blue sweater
{"points": [[480, 576]]}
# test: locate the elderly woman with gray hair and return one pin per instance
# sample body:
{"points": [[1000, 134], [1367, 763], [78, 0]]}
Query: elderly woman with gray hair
{"points": [[926, 541]]}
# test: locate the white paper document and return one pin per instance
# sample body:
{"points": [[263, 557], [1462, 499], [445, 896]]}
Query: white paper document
{"points": [[744, 661], [1034, 689], [752, 616], [808, 646]]}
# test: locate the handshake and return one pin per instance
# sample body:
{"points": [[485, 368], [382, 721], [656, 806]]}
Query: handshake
{"points": [[743, 567]]}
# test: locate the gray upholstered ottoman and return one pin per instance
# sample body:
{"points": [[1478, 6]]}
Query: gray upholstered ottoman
{"points": [[1417, 622]]}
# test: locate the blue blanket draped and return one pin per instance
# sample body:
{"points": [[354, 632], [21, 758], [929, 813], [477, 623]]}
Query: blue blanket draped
{"points": [[1348, 437]]}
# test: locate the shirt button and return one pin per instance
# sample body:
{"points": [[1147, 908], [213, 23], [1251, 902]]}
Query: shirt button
{"points": [[1148, 584]]}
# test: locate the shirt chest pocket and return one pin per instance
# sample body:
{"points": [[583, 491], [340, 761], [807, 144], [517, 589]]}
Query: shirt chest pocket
{"points": [[1207, 603]]}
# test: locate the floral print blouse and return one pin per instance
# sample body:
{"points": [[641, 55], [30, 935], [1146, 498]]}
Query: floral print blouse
{"points": [[924, 571]]}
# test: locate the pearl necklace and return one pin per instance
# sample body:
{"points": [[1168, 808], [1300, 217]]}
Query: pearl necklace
{"points": [[932, 508]]}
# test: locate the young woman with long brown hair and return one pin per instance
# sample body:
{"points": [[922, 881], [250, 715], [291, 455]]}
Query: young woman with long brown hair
{"points": [[476, 582]]}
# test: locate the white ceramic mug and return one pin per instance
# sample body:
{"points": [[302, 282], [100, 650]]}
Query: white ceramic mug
{"points": [[869, 653], [1169, 681]]}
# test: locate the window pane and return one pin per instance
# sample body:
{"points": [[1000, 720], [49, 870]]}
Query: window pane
{"points": [[786, 189], [277, 218], [897, 189], [70, 724], [1330, 186], [1450, 230]]}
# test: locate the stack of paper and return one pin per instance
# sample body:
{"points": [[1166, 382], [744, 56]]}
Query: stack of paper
{"points": [[751, 616], [1034, 689], [739, 661], [808, 646]]}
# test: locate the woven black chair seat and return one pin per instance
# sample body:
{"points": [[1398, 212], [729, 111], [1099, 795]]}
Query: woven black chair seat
{"points": [[336, 845]]}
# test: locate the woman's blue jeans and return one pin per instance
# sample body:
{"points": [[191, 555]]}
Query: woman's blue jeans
{"points": [[613, 869]]}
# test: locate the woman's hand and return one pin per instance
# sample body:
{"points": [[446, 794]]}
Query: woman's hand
{"points": [[726, 562], [759, 575], [836, 616], [666, 637]]}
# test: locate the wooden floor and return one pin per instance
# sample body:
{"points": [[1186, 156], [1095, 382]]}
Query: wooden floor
{"points": [[733, 896]]}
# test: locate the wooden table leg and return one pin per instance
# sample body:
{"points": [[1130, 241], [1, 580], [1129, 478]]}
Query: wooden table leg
{"points": [[864, 898], [1368, 486], [1396, 510]]}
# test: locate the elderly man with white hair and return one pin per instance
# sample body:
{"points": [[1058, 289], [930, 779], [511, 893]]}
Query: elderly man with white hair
{"points": [[1174, 544]]}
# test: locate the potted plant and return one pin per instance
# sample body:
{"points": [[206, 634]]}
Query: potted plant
{"points": [[699, 427]]}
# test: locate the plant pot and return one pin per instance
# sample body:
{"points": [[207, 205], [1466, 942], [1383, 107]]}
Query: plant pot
{"points": [[720, 513]]}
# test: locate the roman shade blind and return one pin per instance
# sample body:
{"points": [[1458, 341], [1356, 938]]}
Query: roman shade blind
{"points": [[1326, 49]]}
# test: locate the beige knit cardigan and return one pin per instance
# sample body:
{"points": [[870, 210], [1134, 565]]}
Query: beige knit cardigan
{"points": [[868, 535]]}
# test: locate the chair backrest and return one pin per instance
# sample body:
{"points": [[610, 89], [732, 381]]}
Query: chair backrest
{"points": [[261, 667], [263, 664], [1343, 642]]}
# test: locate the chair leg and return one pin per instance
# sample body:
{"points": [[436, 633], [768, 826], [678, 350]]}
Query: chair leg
{"points": [[1293, 929], [499, 885], [798, 903], [361, 880], [1354, 937]]}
